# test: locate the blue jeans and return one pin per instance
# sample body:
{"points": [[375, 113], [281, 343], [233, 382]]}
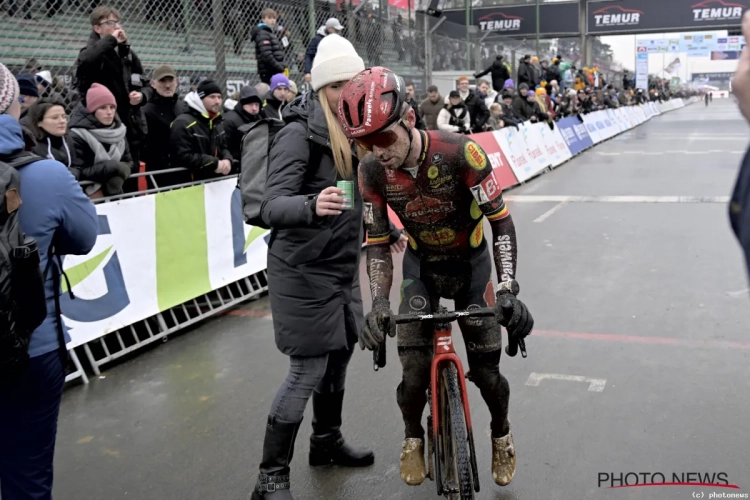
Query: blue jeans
{"points": [[323, 374], [29, 407]]}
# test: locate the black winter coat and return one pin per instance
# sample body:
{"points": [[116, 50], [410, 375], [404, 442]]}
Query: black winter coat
{"points": [[477, 110], [115, 66], [160, 113], [85, 168], [313, 263], [269, 53], [500, 74], [553, 73], [312, 50], [274, 109], [198, 142], [525, 75], [232, 122], [55, 148]]}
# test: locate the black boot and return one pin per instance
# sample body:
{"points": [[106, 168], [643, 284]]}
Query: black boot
{"points": [[278, 449], [327, 445]]}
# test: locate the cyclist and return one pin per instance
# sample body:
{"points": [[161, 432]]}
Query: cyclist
{"points": [[440, 185]]}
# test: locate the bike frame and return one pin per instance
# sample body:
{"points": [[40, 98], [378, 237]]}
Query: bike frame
{"points": [[444, 352]]}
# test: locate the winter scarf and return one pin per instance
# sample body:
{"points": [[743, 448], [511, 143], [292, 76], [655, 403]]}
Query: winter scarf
{"points": [[95, 138]]}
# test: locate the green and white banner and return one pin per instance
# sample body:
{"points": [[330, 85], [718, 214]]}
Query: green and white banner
{"points": [[158, 251]]}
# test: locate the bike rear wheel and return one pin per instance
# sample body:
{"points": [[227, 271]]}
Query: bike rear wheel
{"points": [[454, 456]]}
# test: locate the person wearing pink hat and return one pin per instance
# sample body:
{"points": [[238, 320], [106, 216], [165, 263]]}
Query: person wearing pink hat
{"points": [[102, 154]]}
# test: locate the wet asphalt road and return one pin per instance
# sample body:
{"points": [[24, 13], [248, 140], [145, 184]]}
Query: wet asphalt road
{"points": [[650, 297]]}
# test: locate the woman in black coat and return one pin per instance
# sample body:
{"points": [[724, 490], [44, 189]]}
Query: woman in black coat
{"points": [[313, 271], [49, 125]]}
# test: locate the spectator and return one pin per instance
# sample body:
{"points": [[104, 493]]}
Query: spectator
{"points": [[163, 106], [553, 89], [455, 117], [624, 98], [569, 78], [29, 94], [262, 88], [499, 71], [496, 117], [45, 84], [248, 111], [627, 83], [310, 283], [53, 206], [537, 73], [552, 72], [197, 140], [519, 102], [477, 108], [485, 93], [331, 26], [293, 91], [108, 60], [102, 154], [510, 118], [430, 108], [413, 103], [269, 53], [525, 72], [49, 124], [276, 98], [231, 102], [531, 110], [609, 100], [541, 100]]}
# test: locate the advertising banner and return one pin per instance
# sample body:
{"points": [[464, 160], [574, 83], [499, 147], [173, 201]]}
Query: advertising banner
{"points": [[500, 164], [158, 251], [641, 71], [554, 19], [556, 151], [513, 146], [638, 16], [595, 132], [575, 135]]}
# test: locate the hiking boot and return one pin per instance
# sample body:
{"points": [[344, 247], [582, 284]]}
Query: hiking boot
{"points": [[278, 449]]}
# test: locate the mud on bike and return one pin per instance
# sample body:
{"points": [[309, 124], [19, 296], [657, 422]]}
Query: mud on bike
{"points": [[451, 455]]}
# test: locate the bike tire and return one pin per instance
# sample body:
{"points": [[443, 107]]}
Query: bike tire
{"points": [[457, 421]]}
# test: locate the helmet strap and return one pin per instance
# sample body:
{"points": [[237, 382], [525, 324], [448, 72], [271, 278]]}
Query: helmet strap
{"points": [[411, 138]]}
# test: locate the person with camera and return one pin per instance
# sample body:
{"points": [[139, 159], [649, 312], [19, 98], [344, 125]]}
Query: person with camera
{"points": [[108, 60], [454, 117]]}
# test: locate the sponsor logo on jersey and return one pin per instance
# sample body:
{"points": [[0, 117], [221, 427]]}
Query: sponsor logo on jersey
{"points": [[439, 181], [490, 186], [503, 244], [474, 210], [412, 241], [417, 303], [477, 235], [433, 172], [368, 213], [440, 237], [480, 196], [427, 209], [437, 158], [475, 156]]}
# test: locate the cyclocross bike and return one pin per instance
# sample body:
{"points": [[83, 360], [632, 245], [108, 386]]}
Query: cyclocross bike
{"points": [[452, 460]]}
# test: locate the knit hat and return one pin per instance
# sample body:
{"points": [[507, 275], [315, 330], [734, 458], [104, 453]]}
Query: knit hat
{"points": [[98, 96], [44, 77], [248, 95], [8, 89], [336, 61], [207, 87], [541, 91], [509, 84], [27, 85], [279, 80], [530, 93]]}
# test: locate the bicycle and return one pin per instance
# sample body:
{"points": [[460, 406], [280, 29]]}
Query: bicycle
{"points": [[452, 461]]}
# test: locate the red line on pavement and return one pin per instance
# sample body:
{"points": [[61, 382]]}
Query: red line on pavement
{"points": [[248, 313], [635, 339]]}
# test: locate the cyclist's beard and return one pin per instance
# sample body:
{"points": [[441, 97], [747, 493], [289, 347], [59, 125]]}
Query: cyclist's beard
{"points": [[394, 157]]}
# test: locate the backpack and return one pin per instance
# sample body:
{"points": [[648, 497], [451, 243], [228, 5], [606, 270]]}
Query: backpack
{"points": [[257, 138], [23, 306]]}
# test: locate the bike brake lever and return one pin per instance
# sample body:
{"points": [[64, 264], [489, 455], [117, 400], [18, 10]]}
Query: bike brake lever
{"points": [[522, 347]]}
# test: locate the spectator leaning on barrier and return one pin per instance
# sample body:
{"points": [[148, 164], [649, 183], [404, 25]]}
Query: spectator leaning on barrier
{"points": [[624, 98], [519, 102], [102, 154], [413, 103], [51, 205], [276, 98], [108, 60], [430, 108], [313, 272], [331, 26], [246, 111], [496, 121], [477, 108], [49, 124], [499, 73], [197, 140], [269, 53], [163, 106], [454, 117], [510, 118]]}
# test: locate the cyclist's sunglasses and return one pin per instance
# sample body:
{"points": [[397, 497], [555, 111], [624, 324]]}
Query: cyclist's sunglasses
{"points": [[383, 139]]}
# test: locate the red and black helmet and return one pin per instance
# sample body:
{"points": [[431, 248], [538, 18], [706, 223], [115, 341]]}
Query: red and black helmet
{"points": [[371, 101]]}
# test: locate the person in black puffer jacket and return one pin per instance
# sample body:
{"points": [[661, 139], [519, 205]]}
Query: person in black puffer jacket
{"points": [[269, 53], [246, 111], [499, 72], [101, 153], [164, 105], [49, 125], [276, 98]]}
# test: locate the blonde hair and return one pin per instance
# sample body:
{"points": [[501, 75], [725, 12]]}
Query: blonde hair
{"points": [[495, 107], [340, 147]]}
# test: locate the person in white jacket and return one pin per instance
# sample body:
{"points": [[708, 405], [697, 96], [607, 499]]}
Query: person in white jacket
{"points": [[454, 117]]}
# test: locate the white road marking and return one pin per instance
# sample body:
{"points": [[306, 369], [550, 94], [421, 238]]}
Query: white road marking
{"points": [[615, 199], [659, 153], [739, 293], [595, 384], [546, 215]]}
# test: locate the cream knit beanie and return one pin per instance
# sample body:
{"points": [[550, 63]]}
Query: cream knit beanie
{"points": [[335, 61]]}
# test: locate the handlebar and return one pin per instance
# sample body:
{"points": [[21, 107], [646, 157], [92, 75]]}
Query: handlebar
{"points": [[444, 317]]}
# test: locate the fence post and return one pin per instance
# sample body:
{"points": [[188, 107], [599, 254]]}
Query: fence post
{"points": [[219, 47], [312, 17], [427, 52]]}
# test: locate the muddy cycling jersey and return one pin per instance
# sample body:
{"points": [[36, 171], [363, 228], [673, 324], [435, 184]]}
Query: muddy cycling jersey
{"points": [[441, 203]]}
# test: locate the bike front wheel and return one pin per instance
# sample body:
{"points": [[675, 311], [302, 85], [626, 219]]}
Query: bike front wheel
{"points": [[454, 451]]}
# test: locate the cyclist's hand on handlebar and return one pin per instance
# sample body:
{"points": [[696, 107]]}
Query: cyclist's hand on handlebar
{"points": [[378, 323], [514, 315]]}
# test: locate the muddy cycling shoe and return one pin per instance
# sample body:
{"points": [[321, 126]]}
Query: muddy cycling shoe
{"points": [[412, 462], [503, 459]]}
